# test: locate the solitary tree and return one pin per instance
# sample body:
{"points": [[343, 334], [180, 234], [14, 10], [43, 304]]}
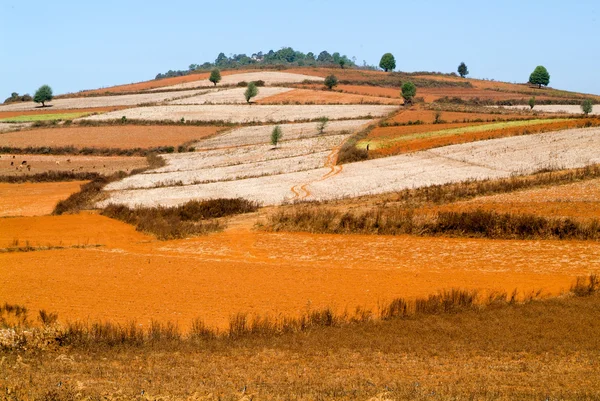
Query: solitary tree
{"points": [[388, 62], [322, 124], [587, 106], [539, 76], [331, 81], [462, 70], [532, 103], [215, 76], [251, 91], [409, 90], [43, 95], [276, 135]]}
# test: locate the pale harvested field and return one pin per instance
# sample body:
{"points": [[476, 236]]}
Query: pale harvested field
{"points": [[230, 96], [262, 134], [247, 113], [100, 101], [558, 108], [213, 277], [480, 160], [8, 127], [270, 78], [34, 199], [118, 136], [237, 163], [42, 163]]}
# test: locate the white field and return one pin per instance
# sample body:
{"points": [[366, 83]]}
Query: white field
{"points": [[479, 160], [7, 127], [230, 96], [247, 113], [558, 108], [262, 134], [101, 101], [270, 78]]}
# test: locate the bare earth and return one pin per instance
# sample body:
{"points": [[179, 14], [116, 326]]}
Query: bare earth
{"points": [[8, 127], [247, 113], [42, 163], [557, 108], [230, 96], [34, 199], [480, 160], [270, 78]]}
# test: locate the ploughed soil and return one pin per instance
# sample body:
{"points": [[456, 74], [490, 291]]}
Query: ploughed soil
{"points": [[121, 137], [134, 277], [37, 164], [428, 116], [304, 96], [33, 199], [51, 110]]}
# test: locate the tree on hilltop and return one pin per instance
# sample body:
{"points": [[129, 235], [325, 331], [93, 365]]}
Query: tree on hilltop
{"points": [[409, 90], [215, 76], [43, 95], [539, 76], [387, 62], [462, 70], [251, 91]]}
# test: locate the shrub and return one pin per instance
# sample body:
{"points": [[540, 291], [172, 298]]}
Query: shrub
{"points": [[331, 81], [587, 106], [532, 103], [409, 90], [322, 124], [215, 76], [242, 84], [259, 83], [276, 135], [250, 92]]}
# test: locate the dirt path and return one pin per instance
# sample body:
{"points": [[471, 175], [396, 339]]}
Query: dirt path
{"points": [[301, 191]]}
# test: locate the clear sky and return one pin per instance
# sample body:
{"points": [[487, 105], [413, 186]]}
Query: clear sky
{"points": [[77, 44]]}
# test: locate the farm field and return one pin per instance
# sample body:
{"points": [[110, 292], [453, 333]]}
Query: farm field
{"points": [[230, 96], [559, 108], [305, 96], [67, 163], [34, 199], [7, 115], [116, 137]]}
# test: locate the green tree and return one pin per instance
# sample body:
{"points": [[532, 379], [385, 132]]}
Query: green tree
{"points": [[539, 76], [331, 81], [215, 76], [387, 62], [322, 124], [251, 91], [43, 95], [409, 90], [587, 106], [532, 103], [342, 62], [276, 135], [462, 70]]}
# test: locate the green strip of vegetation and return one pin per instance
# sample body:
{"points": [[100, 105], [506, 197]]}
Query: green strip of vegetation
{"points": [[44, 117], [374, 144]]}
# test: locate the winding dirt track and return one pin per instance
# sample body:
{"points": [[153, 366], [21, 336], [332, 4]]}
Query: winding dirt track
{"points": [[302, 192]]}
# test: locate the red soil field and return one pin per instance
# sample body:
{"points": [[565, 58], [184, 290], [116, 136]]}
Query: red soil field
{"points": [[33, 199], [122, 137], [428, 116], [135, 277], [304, 96], [50, 110]]}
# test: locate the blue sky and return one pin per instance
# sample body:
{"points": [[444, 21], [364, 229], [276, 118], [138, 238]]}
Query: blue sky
{"points": [[76, 45]]}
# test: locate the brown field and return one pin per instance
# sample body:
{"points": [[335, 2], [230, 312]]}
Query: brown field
{"points": [[433, 94], [305, 96], [42, 163], [121, 137], [33, 199], [428, 116], [134, 277], [50, 110]]}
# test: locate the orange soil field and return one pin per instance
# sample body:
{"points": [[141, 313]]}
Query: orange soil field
{"points": [[304, 96], [412, 145], [428, 116], [135, 277], [50, 110], [42, 163], [580, 201], [33, 199], [433, 94], [122, 137], [376, 91]]}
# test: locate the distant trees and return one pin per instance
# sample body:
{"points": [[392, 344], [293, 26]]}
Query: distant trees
{"points": [[342, 62], [463, 71], [539, 76], [215, 76], [251, 91], [276, 135], [387, 62], [532, 103], [587, 106], [14, 97], [43, 95], [409, 91], [331, 81]]}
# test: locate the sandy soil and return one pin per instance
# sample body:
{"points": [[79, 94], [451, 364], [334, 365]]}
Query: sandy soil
{"points": [[8, 127], [247, 113], [99, 101], [134, 277], [42, 163], [558, 108], [33, 199], [479, 160], [230, 96], [262, 134], [122, 137], [306, 96], [270, 78]]}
